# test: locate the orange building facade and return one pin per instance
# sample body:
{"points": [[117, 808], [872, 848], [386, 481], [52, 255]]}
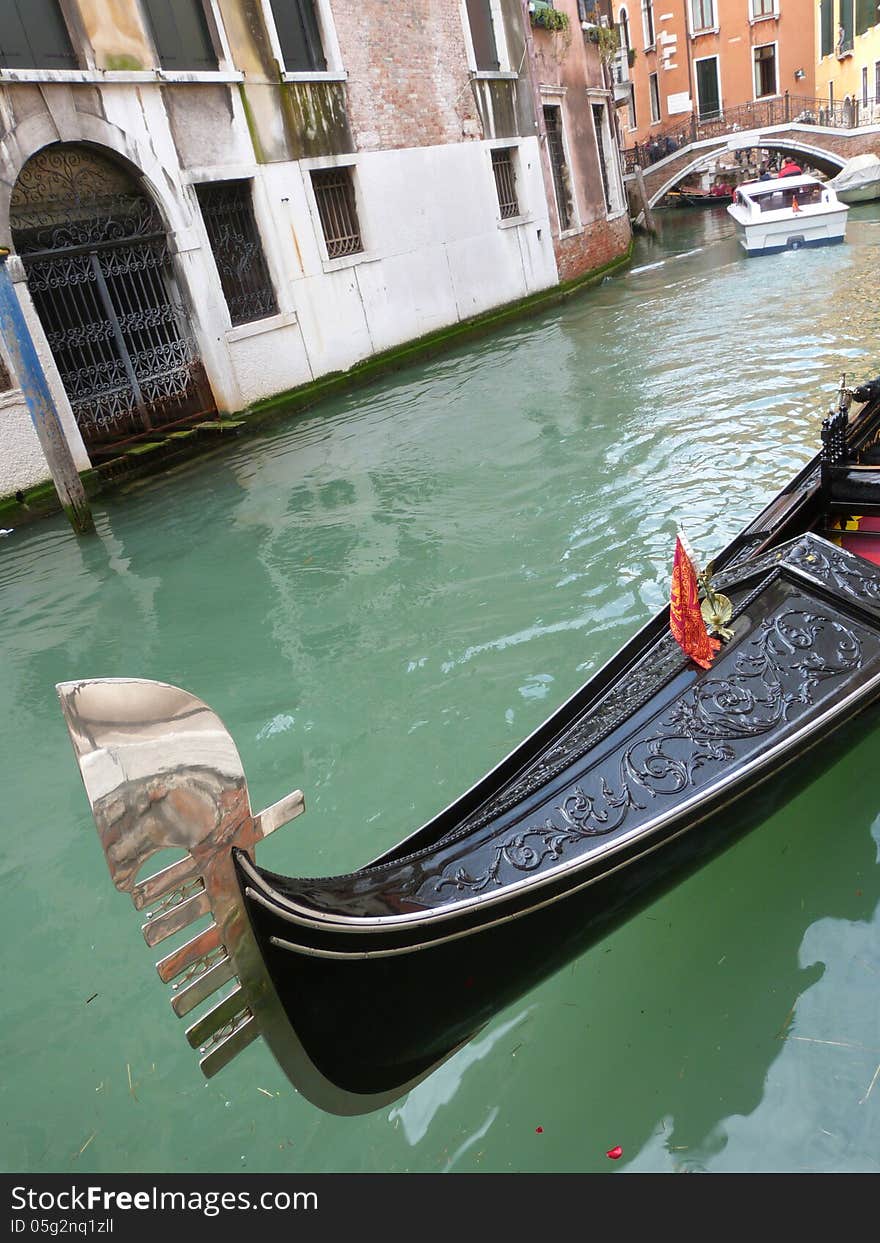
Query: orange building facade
{"points": [[683, 59]]}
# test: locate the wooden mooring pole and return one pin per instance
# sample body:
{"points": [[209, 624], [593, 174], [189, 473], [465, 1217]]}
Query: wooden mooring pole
{"points": [[35, 390], [645, 216]]}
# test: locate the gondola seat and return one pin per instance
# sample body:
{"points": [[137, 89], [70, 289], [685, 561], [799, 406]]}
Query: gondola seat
{"points": [[855, 483]]}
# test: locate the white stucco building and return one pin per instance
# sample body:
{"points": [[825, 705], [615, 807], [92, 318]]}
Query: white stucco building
{"points": [[211, 203]]}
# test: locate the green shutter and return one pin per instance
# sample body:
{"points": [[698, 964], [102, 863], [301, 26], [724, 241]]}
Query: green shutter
{"points": [[33, 36], [180, 34], [299, 35], [866, 15], [827, 31]]}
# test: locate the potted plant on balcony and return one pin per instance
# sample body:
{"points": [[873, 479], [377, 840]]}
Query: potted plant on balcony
{"points": [[544, 16]]}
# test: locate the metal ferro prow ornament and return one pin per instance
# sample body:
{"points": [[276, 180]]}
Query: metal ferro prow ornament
{"points": [[161, 771], [716, 608]]}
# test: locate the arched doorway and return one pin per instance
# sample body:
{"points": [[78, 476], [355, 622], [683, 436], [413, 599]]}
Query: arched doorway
{"points": [[98, 268]]}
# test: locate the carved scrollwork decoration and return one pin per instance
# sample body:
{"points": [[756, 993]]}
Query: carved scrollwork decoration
{"points": [[69, 195], [838, 568], [775, 675]]}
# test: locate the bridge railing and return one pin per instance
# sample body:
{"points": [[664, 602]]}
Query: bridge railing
{"points": [[758, 114]]}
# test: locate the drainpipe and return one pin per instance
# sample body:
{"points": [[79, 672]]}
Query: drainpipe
{"points": [[685, 34], [32, 380]]}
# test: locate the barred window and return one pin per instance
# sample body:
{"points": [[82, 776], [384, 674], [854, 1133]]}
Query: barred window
{"points": [[505, 181], [558, 165], [228, 213], [334, 194]]}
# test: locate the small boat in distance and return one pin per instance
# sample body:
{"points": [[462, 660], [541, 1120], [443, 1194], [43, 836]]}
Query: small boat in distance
{"points": [[363, 983], [786, 213]]}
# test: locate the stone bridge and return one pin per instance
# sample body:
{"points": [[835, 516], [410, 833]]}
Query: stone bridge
{"points": [[826, 149]]}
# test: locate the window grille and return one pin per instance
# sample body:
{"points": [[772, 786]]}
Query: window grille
{"points": [[33, 36], [505, 181], [556, 150], [334, 194], [228, 213]]}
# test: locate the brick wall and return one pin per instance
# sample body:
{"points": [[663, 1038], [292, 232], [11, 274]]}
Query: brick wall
{"points": [[597, 244], [408, 83]]}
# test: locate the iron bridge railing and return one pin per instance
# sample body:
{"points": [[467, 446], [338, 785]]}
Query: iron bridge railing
{"points": [[759, 114]]}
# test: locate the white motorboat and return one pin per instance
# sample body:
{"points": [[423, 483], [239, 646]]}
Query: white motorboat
{"points": [[786, 213], [859, 180]]}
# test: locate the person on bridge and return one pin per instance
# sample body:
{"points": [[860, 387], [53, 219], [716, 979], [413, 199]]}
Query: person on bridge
{"points": [[789, 168]]}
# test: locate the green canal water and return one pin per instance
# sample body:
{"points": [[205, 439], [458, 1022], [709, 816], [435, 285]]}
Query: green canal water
{"points": [[379, 599]]}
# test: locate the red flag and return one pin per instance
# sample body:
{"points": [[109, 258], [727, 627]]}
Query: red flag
{"points": [[685, 619]]}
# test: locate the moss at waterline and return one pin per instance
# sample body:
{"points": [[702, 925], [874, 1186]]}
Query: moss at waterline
{"points": [[153, 456]]}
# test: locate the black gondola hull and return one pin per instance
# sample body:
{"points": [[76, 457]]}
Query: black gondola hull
{"points": [[384, 972]]}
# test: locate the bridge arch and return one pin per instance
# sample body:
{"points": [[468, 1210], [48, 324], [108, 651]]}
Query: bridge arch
{"points": [[701, 157]]}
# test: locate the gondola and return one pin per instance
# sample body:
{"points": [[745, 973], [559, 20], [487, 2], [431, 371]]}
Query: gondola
{"points": [[697, 198], [362, 984]]}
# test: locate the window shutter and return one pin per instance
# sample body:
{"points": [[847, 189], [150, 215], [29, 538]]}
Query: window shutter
{"points": [[866, 15], [33, 36], [827, 32], [299, 35], [180, 33], [483, 34]]}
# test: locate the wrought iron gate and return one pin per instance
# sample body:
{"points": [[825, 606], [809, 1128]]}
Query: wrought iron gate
{"points": [[99, 272]]}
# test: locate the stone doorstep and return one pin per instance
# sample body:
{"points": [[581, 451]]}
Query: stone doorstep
{"points": [[219, 425]]}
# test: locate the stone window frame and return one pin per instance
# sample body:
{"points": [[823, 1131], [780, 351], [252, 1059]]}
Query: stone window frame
{"points": [[247, 209], [266, 227], [611, 151], [525, 213], [554, 97], [504, 69], [368, 254], [335, 71], [755, 48], [90, 73], [654, 97], [716, 56], [763, 17]]}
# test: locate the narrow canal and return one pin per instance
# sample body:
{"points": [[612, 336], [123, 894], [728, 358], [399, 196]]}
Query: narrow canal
{"points": [[379, 599]]}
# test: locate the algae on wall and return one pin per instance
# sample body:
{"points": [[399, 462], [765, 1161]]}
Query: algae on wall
{"points": [[287, 120], [117, 34]]}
